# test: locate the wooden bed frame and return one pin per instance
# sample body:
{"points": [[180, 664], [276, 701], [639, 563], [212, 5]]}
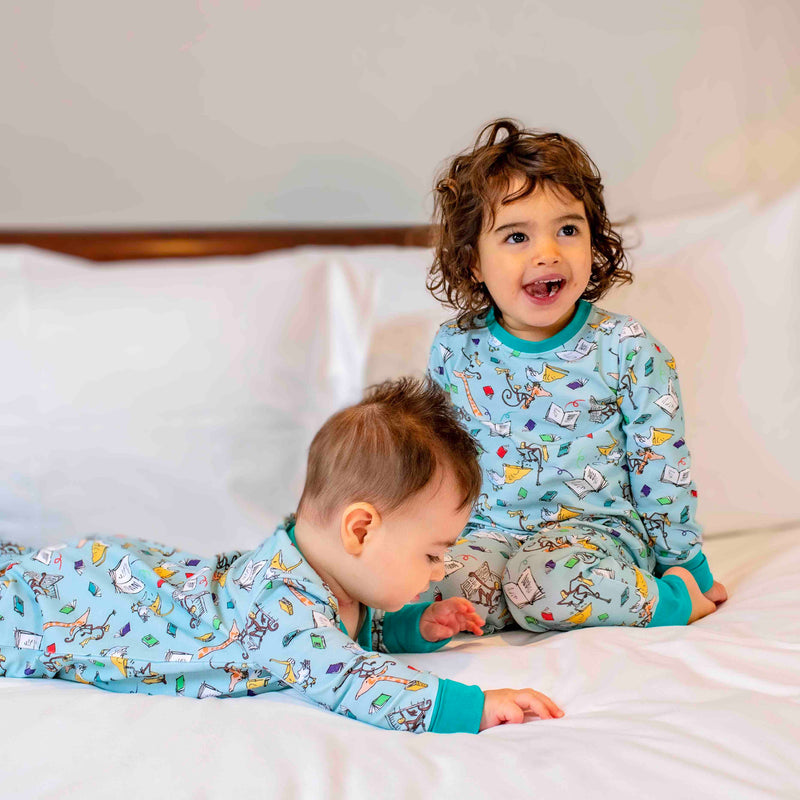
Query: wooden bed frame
{"points": [[121, 245]]}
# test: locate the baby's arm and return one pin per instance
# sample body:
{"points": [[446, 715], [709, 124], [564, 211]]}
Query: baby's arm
{"points": [[423, 627], [445, 618], [503, 706], [309, 653]]}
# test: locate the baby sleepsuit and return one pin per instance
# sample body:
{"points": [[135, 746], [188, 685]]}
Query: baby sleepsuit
{"points": [[134, 616]]}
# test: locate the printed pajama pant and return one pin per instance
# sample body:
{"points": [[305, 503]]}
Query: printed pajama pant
{"points": [[569, 576]]}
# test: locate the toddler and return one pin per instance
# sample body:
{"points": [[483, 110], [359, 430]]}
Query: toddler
{"points": [[389, 486], [587, 511]]}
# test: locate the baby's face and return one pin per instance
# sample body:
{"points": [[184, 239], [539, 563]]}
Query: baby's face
{"points": [[408, 555], [536, 260]]}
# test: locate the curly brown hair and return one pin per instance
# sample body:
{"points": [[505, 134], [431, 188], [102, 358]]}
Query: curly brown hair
{"points": [[467, 192]]}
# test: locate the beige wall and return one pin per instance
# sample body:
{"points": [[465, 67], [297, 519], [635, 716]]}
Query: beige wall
{"points": [[226, 112]]}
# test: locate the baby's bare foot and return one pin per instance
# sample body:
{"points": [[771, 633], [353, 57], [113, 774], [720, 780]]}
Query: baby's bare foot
{"points": [[701, 605]]}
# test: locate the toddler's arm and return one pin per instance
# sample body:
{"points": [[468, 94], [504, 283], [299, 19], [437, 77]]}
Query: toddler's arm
{"points": [[437, 368], [658, 458]]}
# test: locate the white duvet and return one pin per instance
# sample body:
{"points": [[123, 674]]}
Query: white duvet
{"points": [[712, 710]]}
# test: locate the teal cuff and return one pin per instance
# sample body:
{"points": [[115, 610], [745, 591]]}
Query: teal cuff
{"points": [[458, 708], [674, 605], [401, 631], [700, 570]]}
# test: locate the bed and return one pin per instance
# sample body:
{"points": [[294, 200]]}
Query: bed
{"points": [[158, 385]]}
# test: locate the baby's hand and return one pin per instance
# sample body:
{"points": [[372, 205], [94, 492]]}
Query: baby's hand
{"points": [[446, 618], [717, 593], [503, 706]]}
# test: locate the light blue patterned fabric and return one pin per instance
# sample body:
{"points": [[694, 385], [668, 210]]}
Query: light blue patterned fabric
{"points": [[582, 438], [134, 616]]}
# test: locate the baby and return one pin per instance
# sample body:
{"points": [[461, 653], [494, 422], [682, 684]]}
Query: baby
{"points": [[389, 487], [586, 516]]}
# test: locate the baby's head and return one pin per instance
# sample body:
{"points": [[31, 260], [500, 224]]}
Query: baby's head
{"points": [[390, 485], [522, 229]]}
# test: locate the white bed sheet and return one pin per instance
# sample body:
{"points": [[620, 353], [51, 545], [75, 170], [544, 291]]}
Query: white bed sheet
{"points": [[713, 708]]}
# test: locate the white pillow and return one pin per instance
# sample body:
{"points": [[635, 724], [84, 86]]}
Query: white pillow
{"points": [[406, 316], [176, 400], [173, 400], [726, 304]]}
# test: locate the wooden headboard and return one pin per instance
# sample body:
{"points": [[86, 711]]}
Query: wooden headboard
{"points": [[120, 245]]}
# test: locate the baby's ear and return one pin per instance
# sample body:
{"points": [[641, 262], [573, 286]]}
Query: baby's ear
{"points": [[358, 521]]}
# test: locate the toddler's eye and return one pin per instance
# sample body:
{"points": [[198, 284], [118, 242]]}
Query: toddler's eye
{"points": [[570, 230], [516, 238], [434, 559]]}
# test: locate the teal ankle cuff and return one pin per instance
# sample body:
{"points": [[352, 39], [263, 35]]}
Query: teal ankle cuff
{"points": [[674, 605]]}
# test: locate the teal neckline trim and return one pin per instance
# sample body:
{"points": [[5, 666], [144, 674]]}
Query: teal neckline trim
{"points": [[582, 311], [290, 533]]}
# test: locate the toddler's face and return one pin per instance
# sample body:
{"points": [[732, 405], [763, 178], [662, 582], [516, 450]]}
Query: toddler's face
{"points": [[536, 260], [409, 553]]}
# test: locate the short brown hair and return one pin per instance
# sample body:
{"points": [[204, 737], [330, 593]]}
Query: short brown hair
{"points": [[466, 194], [387, 448]]}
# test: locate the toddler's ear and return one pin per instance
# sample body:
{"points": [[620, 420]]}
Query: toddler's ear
{"points": [[358, 520], [477, 272]]}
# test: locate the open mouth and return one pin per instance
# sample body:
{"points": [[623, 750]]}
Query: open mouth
{"points": [[545, 288]]}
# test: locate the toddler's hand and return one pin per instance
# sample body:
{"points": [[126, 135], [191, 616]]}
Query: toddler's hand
{"points": [[503, 706], [446, 618], [717, 593]]}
